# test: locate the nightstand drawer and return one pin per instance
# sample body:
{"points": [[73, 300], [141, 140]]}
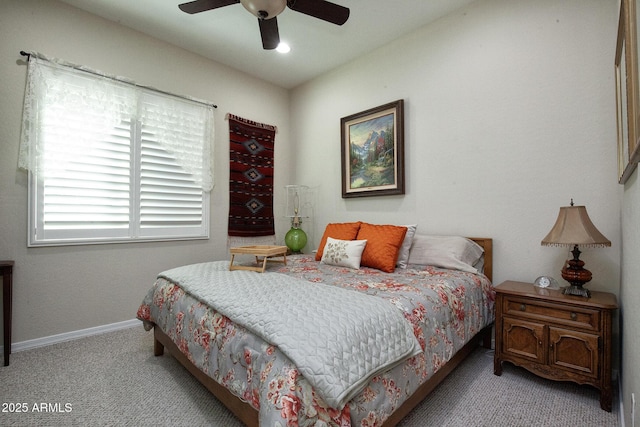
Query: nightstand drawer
{"points": [[577, 317]]}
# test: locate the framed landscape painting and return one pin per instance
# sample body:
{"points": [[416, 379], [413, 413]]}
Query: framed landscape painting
{"points": [[373, 151], [627, 90], [622, 92], [627, 73]]}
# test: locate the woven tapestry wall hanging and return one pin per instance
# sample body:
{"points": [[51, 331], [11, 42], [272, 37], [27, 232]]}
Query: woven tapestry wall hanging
{"points": [[251, 178]]}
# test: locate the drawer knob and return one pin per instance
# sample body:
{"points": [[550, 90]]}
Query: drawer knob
{"points": [[523, 307], [574, 316]]}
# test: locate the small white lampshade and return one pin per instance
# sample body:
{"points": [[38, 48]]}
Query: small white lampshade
{"points": [[297, 203]]}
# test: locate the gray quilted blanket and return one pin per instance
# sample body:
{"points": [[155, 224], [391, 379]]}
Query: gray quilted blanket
{"points": [[338, 339]]}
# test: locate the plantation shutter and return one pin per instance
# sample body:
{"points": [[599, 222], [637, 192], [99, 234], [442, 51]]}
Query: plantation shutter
{"points": [[169, 197], [88, 195]]}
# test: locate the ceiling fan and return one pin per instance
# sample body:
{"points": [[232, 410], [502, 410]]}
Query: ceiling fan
{"points": [[267, 10]]}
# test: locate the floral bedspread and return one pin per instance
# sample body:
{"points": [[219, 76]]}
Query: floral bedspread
{"points": [[446, 308]]}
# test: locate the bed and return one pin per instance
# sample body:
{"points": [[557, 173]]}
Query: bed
{"points": [[279, 375]]}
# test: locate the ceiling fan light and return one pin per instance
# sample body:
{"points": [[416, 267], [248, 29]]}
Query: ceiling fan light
{"points": [[258, 8], [283, 48]]}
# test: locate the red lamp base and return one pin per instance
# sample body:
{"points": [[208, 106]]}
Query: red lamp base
{"points": [[574, 273]]}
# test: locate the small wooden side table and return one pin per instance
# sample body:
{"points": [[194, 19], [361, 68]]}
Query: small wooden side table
{"points": [[265, 251], [6, 269]]}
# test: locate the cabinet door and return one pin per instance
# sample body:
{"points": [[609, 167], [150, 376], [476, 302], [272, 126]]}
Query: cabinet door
{"points": [[524, 339], [574, 351]]}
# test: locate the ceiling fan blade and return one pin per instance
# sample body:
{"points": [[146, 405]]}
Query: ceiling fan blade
{"points": [[321, 9], [269, 33], [198, 6]]}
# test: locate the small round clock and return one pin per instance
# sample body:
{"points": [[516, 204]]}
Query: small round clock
{"points": [[546, 282]]}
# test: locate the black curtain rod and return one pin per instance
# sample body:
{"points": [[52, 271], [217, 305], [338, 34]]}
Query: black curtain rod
{"points": [[28, 55]]}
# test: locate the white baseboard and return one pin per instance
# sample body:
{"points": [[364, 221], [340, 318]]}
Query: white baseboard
{"points": [[621, 400], [73, 335]]}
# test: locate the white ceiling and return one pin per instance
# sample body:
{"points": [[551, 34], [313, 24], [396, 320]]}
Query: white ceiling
{"points": [[230, 35]]}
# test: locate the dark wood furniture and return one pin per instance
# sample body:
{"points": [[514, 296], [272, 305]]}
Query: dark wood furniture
{"points": [[6, 269], [249, 416], [556, 336]]}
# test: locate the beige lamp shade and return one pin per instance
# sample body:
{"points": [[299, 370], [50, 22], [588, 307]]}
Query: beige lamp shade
{"points": [[573, 227]]}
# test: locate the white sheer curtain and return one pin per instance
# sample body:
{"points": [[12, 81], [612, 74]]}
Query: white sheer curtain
{"points": [[59, 93], [184, 132]]}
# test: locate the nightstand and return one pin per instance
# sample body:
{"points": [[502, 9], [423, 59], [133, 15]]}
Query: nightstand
{"points": [[556, 336]]}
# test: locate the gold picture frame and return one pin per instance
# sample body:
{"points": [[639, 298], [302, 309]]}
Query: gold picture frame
{"points": [[627, 73], [622, 91], [373, 151]]}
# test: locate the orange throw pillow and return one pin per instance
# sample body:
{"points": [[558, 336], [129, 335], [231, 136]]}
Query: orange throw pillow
{"points": [[383, 245], [340, 231]]}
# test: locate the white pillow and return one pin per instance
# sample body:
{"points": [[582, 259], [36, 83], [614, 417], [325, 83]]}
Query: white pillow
{"points": [[403, 254], [343, 253], [454, 252]]}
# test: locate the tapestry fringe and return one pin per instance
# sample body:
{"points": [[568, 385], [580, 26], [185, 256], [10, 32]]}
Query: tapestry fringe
{"points": [[235, 241], [251, 122]]}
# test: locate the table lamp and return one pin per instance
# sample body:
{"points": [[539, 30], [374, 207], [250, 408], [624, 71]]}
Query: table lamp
{"points": [[296, 238], [573, 228]]}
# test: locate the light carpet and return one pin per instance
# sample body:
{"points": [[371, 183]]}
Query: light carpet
{"points": [[114, 380]]}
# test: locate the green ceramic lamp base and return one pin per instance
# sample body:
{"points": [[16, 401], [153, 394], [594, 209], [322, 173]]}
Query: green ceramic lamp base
{"points": [[295, 239]]}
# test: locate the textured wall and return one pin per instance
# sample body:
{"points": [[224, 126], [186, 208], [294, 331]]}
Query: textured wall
{"points": [[510, 113], [65, 289]]}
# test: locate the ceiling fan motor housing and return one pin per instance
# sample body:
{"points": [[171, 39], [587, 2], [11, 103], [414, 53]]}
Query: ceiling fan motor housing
{"points": [[267, 10], [264, 9]]}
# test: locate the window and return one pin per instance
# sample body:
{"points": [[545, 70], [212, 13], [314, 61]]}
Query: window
{"points": [[110, 161]]}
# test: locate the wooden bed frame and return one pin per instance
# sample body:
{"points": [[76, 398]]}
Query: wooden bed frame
{"points": [[249, 416]]}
